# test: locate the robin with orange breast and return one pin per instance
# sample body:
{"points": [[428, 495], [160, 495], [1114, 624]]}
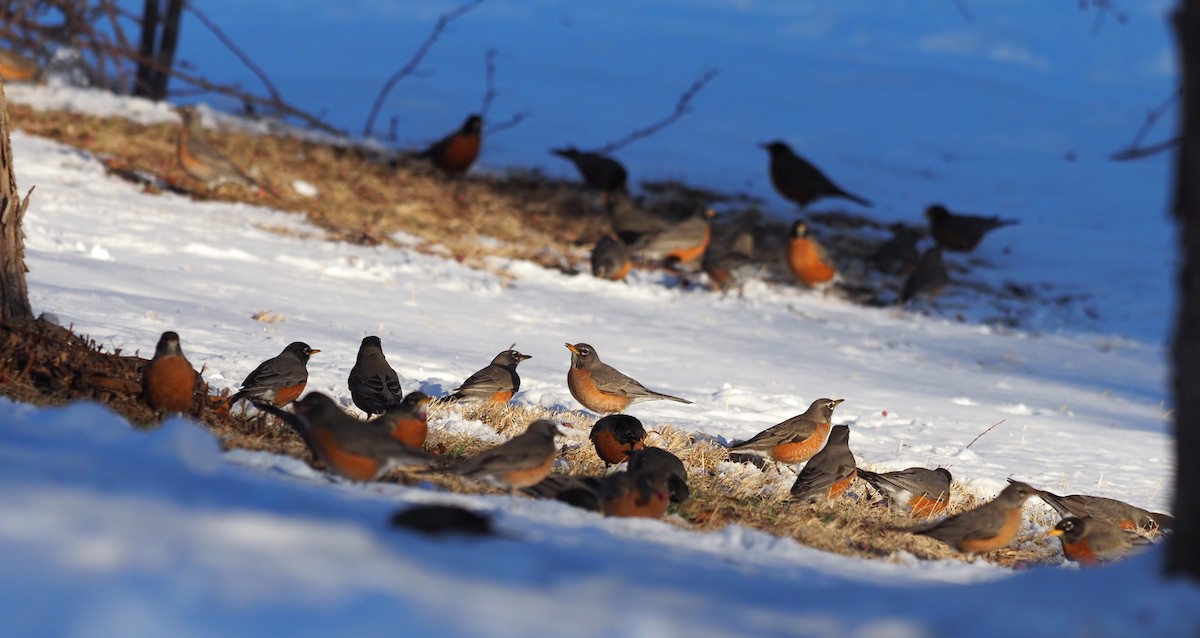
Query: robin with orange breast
{"points": [[279, 380], [1093, 543], [199, 159], [600, 172], [635, 495], [677, 243], [797, 439], [601, 388], [15, 67], [495, 383], [611, 259], [830, 472], [917, 490], [407, 421], [1108, 510], [798, 180], [808, 260], [455, 153], [374, 385], [615, 435], [658, 460], [986, 528], [927, 278], [350, 448], [168, 380], [520, 462], [960, 233]]}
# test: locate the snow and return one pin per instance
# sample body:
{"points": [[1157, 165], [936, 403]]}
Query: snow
{"points": [[111, 531]]}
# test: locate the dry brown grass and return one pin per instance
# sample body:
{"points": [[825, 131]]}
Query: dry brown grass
{"points": [[364, 200]]}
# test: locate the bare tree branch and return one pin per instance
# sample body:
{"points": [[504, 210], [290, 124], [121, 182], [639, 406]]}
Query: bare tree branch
{"points": [[489, 94], [965, 11], [234, 49], [1135, 149], [408, 69], [516, 119], [682, 107]]}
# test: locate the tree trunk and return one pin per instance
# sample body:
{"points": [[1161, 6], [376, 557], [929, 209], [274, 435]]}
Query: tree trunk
{"points": [[146, 71], [14, 296], [156, 56], [1183, 548]]}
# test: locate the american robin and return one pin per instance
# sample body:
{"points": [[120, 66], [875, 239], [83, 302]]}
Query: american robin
{"points": [[797, 439], [522, 461], [635, 494], [1108, 510], [374, 385], [960, 233], [278, 380], [600, 172], [455, 153], [681, 242], [168, 380], [730, 259], [927, 278], [611, 259], [601, 388], [986, 528], [407, 421], [615, 436], [808, 260], [828, 473], [354, 449], [578, 491], [1093, 543], [798, 180], [15, 67], [898, 254], [441, 520], [200, 160], [916, 490], [496, 383], [655, 459]]}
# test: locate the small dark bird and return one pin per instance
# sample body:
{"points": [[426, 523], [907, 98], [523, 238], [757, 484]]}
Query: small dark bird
{"points": [[928, 278], [441, 520], [200, 159], [611, 259], [899, 254], [615, 436], [655, 459], [798, 180], [374, 385], [455, 153], [598, 171], [960, 233], [1093, 543]]}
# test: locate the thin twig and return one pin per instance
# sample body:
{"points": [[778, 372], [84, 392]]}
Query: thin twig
{"points": [[1135, 150], [408, 69], [965, 11], [489, 93], [233, 48], [682, 107], [517, 118], [982, 433]]}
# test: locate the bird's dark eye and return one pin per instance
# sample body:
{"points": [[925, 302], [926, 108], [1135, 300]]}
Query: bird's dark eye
{"points": [[585, 351]]}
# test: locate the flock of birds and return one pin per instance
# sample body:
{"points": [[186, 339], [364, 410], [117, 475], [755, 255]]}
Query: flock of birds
{"points": [[677, 232], [1093, 531]]}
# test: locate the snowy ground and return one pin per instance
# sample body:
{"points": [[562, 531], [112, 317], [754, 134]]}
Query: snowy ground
{"points": [[108, 531]]}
